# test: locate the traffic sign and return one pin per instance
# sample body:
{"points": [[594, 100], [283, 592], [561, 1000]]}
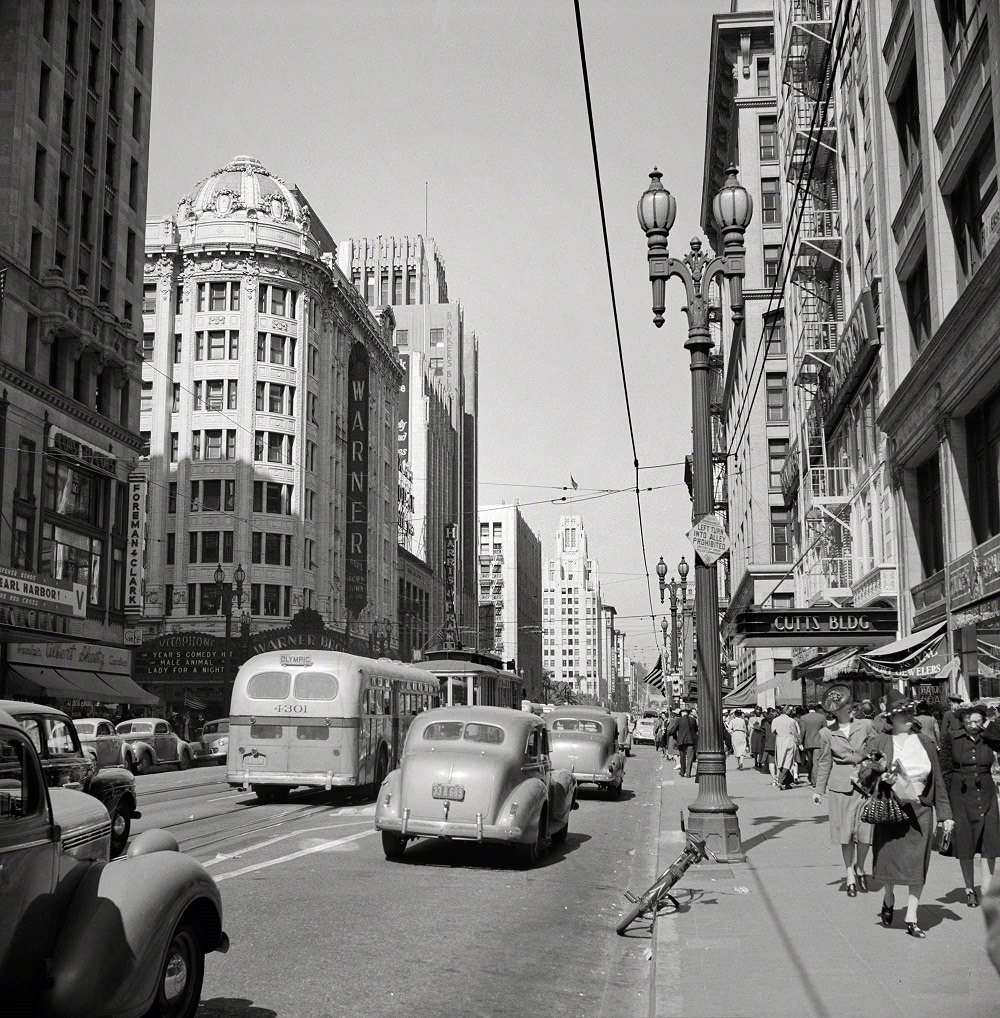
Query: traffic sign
{"points": [[709, 539]]}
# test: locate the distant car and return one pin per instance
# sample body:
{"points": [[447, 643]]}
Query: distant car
{"points": [[624, 723], [479, 774], [100, 741], [213, 743], [584, 741], [80, 935], [65, 764], [645, 728], [154, 742]]}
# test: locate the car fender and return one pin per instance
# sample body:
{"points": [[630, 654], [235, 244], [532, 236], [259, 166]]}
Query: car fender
{"points": [[140, 749], [529, 795], [390, 788], [112, 784], [563, 794], [108, 956]]}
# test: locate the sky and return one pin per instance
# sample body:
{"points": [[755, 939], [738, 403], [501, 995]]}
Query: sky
{"points": [[363, 104]]}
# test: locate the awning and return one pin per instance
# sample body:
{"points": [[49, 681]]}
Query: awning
{"points": [[922, 654], [655, 678], [744, 695], [71, 683]]}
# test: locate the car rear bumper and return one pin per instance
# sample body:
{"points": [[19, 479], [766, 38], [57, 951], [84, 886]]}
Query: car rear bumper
{"points": [[600, 778], [240, 778], [461, 830]]}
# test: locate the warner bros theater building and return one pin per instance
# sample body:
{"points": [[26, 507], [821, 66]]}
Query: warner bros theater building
{"points": [[269, 397], [74, 139]]}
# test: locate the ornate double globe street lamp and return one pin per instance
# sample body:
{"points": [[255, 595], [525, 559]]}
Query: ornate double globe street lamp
{"points": [[712, 815]]}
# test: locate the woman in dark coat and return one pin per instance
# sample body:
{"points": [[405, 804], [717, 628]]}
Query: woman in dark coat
{"points": [[756, 722], [966, 763], [901, 852], [769, 744]]}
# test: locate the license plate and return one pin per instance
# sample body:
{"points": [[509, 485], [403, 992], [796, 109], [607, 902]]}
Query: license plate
{"points": [[453, 792], [254, 760]]}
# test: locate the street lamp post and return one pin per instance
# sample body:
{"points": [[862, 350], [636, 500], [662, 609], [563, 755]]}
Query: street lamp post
{"points": [[226, 593], [712, 815]]}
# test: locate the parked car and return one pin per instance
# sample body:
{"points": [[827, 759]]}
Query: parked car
{"points": [[65, 764], [100, 741], [154, 742], [645, 728], [624, 723], [479, 774], [80, 935], [213, 742], [584, 741]]}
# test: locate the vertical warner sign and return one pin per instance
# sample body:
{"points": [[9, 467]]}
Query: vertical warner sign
{"points": [[135, 545], [356, 559]]}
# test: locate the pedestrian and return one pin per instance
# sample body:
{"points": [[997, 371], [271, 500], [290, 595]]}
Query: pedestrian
{"points": [[928, 723], [901, 852], [949, 723], [739, 736], [769, 740], [687, 739], [660, 735], [673, 753], [755, 723], [966, 763], [838, 756], [812, 723], [786, 744]]}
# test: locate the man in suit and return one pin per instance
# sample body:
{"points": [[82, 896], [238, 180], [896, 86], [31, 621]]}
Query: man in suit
{"points": [[811, 723], [687, 740]]}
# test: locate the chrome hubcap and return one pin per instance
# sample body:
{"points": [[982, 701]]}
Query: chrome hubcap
{"points": [[176, 976]]}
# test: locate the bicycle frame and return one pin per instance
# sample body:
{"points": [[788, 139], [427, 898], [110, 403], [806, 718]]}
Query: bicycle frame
{"points": [[649, 903]]}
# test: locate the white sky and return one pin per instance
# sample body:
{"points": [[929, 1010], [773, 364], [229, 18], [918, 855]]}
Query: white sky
{"points": [[359, 102]]}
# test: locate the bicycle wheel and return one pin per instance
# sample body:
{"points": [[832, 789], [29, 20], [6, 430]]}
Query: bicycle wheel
{"points": [[630, 917]]}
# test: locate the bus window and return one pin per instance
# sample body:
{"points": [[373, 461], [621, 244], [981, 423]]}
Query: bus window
{"points": [[265, 731], [312, 733], [459, 692], [269, 686], [315, 686]]}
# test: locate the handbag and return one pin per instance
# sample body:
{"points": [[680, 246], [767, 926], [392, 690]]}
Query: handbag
{"points": [[942, 842], [882, 808]]}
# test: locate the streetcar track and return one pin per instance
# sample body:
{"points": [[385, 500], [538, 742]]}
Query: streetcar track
{"points": [[198, 844]]}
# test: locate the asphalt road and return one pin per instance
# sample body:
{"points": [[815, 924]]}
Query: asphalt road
{"points": [[322, 925]]}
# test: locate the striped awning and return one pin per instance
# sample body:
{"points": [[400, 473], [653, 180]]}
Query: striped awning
{"points": [[921, 655]]}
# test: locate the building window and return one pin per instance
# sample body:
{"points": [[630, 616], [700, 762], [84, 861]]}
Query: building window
{"points": [[969, 203], [213, 496], [772, 265], [140, 46], [272, 498], [770, 200], [930, 522], [39, 184], [777, 398], [136, 114], [917, 298], [768, 129], [273, 550], [776, 347], [219, 296], [983, 450], [276, 300], [763, 76], [22, 546], [273, 348], [172, 497], [168, 599], [44, 77], [174, 446], [217, 345], [171, 548], [777, 451], [781, 538], [76, 557], [906, 112]]}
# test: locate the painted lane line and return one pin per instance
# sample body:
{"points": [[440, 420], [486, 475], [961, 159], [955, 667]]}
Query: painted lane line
{"points": [[323, 846], [224, 857]]}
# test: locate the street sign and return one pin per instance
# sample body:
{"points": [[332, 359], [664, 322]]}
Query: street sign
{"points": [[709, 539], [133, 637]]}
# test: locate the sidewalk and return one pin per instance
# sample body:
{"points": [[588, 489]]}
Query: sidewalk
{"points": [[777, 936]]}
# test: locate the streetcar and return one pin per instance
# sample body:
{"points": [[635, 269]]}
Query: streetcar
{"points": [[473, 678], [322, 719]]}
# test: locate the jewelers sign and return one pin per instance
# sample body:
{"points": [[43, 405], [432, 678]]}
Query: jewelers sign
{"points": [[59, 596], [134, 549]]}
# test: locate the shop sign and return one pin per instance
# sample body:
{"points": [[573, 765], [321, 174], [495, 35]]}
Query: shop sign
{"points": [[403, 411], [180, 655], [356, 559], [135, 550], [59, 596], [305, 639], [84, 657], [83, 452], [986, 611], [816, 627], [30, 618], [858, 344], [975, 575]]}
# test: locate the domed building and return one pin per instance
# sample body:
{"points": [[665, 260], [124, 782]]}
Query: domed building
{"points": [[269, 394]]}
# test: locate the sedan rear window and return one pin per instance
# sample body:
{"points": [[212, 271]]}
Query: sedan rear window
{"points": [[269, 686], [576, 725], [455, 731]]}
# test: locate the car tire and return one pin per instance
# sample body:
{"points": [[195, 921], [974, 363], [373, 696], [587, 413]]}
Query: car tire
{"points": [[184, 761], [381, 770], [528, 853], [129, 763], [182, 971], [271, 793], [143, 764], [121, 826], [393, 845], [560, 836]]}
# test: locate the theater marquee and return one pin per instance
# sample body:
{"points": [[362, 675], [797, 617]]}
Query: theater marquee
{"points": [[816, 627], [356, 558]]}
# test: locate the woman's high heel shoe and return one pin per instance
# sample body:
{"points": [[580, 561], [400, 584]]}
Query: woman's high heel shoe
{"points": [[913, 930], [971, 900], [862, 883], [852, 891], [886, 914]]}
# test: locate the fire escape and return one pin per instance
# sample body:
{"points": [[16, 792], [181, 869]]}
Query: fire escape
{"points": [[822, 488]]}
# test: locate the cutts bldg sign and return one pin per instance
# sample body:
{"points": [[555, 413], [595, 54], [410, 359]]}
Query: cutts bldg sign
{"points": [[356, 558], [816, 627]]}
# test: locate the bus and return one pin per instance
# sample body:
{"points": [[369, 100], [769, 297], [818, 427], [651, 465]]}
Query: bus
{"points": [[322, 719], [473, 678]]}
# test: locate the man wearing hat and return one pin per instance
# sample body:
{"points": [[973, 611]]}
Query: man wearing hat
{"points": [[951, 725], [811, 723]]}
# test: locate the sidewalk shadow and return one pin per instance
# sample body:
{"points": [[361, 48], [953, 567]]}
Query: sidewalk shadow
{"points": [[778, 824]]}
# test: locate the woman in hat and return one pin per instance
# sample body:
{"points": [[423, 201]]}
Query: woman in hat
{"points": [[966, 763], [756, 723], [841, 749], [902, 852]]}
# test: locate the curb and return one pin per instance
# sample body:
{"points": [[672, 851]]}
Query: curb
{"points": [[669, 841]]}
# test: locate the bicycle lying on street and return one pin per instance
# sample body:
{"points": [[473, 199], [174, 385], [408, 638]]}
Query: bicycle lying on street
{"points": [[649, 903]]}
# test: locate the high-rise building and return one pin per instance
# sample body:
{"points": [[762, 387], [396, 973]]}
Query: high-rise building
{"points": [[510, 579], [269, 404], [74, 138], [570, 596], [438, 413]]}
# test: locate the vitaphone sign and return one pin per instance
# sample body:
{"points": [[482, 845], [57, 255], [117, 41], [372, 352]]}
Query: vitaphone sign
{"points": [[356, 559]]}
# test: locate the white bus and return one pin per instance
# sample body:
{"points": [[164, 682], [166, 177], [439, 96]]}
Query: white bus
{"points": [[321, 718]]}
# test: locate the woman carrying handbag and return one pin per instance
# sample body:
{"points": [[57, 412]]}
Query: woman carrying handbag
{"points": [[901, 851]]}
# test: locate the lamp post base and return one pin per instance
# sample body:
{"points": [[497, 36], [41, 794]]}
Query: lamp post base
{"points": [[720, 832]]}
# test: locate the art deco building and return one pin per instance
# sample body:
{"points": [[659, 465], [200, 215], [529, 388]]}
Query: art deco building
{"points": [[269, 404], [570, 596], [438, 413], [510, 577], [74, 135]]}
